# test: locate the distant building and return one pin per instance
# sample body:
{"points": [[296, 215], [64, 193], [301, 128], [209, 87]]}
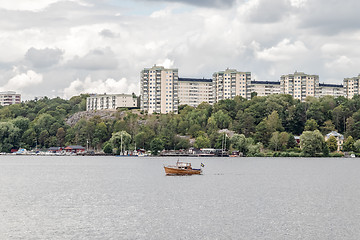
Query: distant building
{"points": [[300, 85], [9, 98], [193, 91], [335, 90], [265, 88], [75, 149], [55, 149], [351, 86], [339, 138], [230, 83], [159, 90], [111, 101]]}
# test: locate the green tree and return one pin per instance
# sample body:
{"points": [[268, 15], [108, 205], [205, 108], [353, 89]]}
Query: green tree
{"points": [[348, 145], [222, 119], [357, 146], [332, 144], [311, 125], [273, 122], [202, 141], [121, 141], [61, 136], [156, 145], [325, 150], [275, 142], [279, 141], [254, 149], [21, 123], [267, 126], [311, 142], [9, 136], [241, 143], [291, 142], [182, 143], [327, 127], [108, 148], [29, 138], [44, 138], [101, 132]]}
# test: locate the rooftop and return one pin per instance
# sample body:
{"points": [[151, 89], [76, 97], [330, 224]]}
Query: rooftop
{"points": [[266, 82], [195, 80], [330, 85]]}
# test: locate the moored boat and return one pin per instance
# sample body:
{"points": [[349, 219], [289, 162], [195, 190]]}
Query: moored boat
{"points": [[181, 168]]}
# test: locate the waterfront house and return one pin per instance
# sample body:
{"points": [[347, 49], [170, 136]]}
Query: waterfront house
{"points": [[75, 149], [339, 138]]}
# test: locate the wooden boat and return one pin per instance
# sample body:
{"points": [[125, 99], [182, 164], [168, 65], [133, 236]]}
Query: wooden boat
{"points": [[181, 168]]}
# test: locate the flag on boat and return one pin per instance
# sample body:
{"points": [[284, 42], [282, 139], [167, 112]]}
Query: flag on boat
{"points": [[202, 165]]}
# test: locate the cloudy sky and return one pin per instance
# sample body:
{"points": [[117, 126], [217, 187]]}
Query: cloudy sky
{"points": [[67, 47]]}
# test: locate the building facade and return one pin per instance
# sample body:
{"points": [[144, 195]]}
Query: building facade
{"points": [[111, 101], [335, 90], [9, 98], [159, 90], [339, 138], [351, 86], [230, 83], [265, 88], [194, 91], [300, 85]]}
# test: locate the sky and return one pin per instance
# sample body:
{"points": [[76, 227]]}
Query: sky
{"points": [[62, 48]]}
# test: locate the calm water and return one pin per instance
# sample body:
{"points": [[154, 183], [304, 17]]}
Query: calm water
{"points": [[131, 198]]}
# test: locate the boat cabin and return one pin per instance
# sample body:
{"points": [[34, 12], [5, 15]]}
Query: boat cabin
{"points": [[183, 165]]}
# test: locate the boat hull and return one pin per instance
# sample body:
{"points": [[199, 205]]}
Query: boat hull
{"points": [[176, 171]]}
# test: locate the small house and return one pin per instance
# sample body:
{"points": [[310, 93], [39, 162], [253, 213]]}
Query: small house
{"points": [[75, 149], [339, 138]]}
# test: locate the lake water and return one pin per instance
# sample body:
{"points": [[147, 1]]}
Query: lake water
{"points": [[131, 198]]}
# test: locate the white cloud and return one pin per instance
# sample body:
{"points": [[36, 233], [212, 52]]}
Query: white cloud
{"points": [[284, 50], [26, 4], [100, 86], [167, 63], [23, 80], [31, 5], [298, 3], [117, 39], [343, 62], [162, 13]]}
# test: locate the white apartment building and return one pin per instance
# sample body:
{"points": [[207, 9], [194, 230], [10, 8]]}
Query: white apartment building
{"points": [[230, 83], [110, 101], [300, 85], [194, 91], [265, 88], [9, 98], [335, 90], [159, 90], [351, 86]]}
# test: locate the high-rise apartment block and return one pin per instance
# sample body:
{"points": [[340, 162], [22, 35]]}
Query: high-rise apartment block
{"points": [[265, 88], [230, 83], [159, 90], [351, 86], [9, 98], [111, 101], [193, 91], [162, 90], [300, 85]]}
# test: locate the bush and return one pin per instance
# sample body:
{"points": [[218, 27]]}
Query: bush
{"points": [[336, 154], [295, 154], [108, 149]]}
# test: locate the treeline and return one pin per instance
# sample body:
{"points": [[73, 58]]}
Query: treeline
{"points": [[268, 123]]}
